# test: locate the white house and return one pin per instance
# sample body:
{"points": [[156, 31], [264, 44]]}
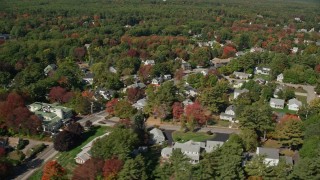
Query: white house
{"points": [[294, 50], [271, 155], [85, 155], [204, 72], [149, 62], [190, 91], [167, 76], [256, 49], [280, 78], [88, 78], [229, 114], [237, 92], [277, 103], [294, 104], [262, 70], [157, 136], [157, 81], [140, 104], [241, 75]]}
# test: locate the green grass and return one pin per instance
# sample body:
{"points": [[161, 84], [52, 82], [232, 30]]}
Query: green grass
{"points": [[195, 136], [284, 110], [66, 159], [262, 76], [303, 99]]}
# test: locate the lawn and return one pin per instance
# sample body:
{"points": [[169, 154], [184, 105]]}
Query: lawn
{"points": [[179, 136], [66, 159], [303, 99], [284, 110]]}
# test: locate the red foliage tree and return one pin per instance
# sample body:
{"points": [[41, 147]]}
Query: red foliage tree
{"points": [[179, 74], [59, 94], [111, 168], [5, 169], [53, 170], [196, 111], [228, 51], [89, 170], [134, 94], [132, 53], [317, 68], [288, 117], [177, 110], [111, 105], [79, 52]]}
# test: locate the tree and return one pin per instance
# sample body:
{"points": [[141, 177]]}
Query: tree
{"points": [[307, 168], [250, 139], [75, 128], [134, 169], [180, 165], [256, 167], [110, 106], [53, 170], [197, 112], [65, 140], [177, 110], [123, 109], [214, 99], [59, 94], [5, 169], [257, 117], [290, 133], [89, 170], [208, 165], [119, 143], [134, 94], [111, 168]]}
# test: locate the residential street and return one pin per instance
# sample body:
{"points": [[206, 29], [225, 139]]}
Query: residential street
{"points": [[94, 118], [26, 170]]}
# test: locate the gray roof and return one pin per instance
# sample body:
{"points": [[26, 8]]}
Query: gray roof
{"points": [[288, 160], [241, 74], [241, 91], [295, 101], [270, 153], [88, 76], [157, 132], [277, 101], [188, 146], [231, 107], [227, 115]]}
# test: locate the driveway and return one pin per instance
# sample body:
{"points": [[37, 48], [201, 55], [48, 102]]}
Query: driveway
{"points": [[168, 134]]}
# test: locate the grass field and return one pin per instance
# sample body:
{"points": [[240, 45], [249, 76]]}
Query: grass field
{"points": [[179, 136], [284, 110], [66, 159]]}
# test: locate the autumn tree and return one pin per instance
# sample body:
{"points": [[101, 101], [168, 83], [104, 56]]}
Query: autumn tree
{"points": [[177, 110], [196, 111], [290, 132], [111, 168], [53, 170], [59, 94], [89, 170], [145, 73], [123, 109], [75, 128], [134, 94], [110, 106]]}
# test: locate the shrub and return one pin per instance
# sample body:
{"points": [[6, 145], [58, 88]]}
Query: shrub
{"points": [[35, 150], [22, 144]]}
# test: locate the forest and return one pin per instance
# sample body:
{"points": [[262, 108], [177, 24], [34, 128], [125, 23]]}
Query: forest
{"points": [[48, 48]]}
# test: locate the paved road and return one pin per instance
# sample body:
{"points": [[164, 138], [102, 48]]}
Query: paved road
{"points": [[94, 118], [310, 89], [204, 129], [26, 170]]}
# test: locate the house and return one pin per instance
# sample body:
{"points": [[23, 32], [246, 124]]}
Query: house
{"points": [[240, 53], [318, 43], [4, 36], [277, 103], [280, 78], [262, 70], [87, 46], [213, 145], [241, 75], [191, 149], [297, 19], [137, 85], [260, 81], [107, 94], [229, 114], [85, 154], [50, 69], [167, 77], [217, 62], [157, 81], [149, 62], [294, 50], [190, 91], [113, 70], [277, 90], [204, 72], [256, 49], [52, 115], [187, 102], [238, 85], [237, 92], [157, 136], [294, 104], [88, 78], [185, 65], [271, 155], [140, 104]]}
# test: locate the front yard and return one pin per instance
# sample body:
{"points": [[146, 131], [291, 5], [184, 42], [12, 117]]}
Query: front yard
{"points": [[179, 136], [284, 110]]}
